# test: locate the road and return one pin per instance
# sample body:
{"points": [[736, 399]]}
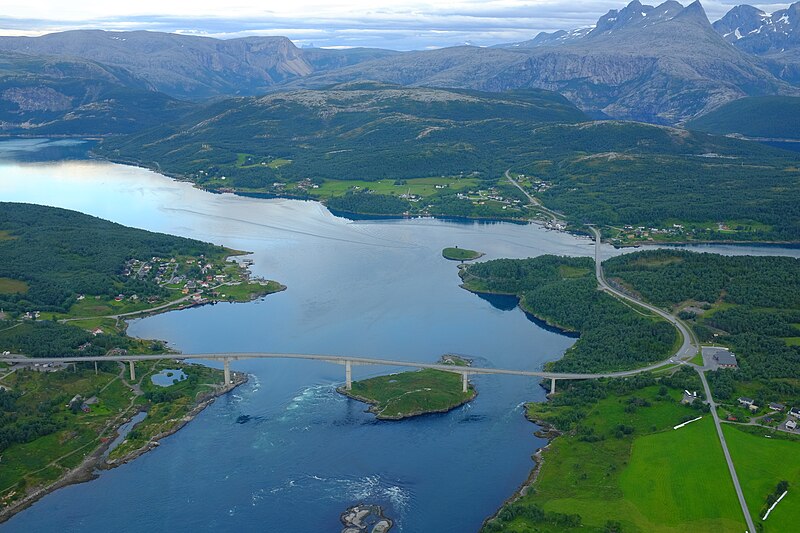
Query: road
{"points": [[739, 494], [689, 345], [533, 201], [688, 349]]}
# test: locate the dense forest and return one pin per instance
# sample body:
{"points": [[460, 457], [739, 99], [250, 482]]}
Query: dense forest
{"points": [[58, 254], [563, 292], [749, 303], [772, 117]]}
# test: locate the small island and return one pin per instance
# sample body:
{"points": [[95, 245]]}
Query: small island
{"points": [[461, 254], [408, 394], [365, 519]]}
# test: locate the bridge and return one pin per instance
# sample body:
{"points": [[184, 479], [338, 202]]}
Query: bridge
{"points": [[347, 361], [687, 350]]}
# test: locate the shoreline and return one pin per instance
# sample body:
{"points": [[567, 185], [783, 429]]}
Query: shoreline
{"points": [[94, 463], [546, 431]]}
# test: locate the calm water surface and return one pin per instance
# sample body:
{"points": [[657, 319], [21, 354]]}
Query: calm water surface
{"points": [[286, 453]]}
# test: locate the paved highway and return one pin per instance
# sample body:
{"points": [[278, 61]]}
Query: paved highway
{"points": [[688, 349], [751, 526]]}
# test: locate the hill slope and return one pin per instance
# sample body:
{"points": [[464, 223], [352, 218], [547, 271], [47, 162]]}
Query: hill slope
{"points": [[363, 131], [774, 117], [57, 254], [608, 172], [57, 96]]}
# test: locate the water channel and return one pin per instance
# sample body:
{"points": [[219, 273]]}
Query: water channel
{"points": [[285, 452]]}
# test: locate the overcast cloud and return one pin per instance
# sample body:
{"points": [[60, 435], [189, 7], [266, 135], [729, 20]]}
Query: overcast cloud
{"points": [[399, 25]]}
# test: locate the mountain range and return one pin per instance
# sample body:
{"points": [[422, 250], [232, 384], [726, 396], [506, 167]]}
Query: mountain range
{"points": [[664, 64]]}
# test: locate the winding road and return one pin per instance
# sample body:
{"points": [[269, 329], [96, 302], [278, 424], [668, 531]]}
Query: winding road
{"points": [[688, 349]]}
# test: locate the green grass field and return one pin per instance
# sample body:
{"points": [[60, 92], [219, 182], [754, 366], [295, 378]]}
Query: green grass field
{"points": [[412, 393], [460, 254], [423, 187], [244, 292], [652, 479], [760, 464], [12, 286], [667, 472]]}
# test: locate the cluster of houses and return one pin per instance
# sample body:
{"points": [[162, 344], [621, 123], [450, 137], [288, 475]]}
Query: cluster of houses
{"points": [[537, 185], [79, 403], [480, 197], [640, 232], [160, 269], [774, 407]]}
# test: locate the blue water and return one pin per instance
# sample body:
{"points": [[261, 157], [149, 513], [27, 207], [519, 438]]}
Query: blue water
{"points": [[168, 377], [285, 452], [123, 430]]}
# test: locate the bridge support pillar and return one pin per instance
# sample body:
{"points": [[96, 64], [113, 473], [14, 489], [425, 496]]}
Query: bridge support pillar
{"points": [[227, 370], [95, 368], [133, 370], [348, 376], [464, 382], [552, 385]]}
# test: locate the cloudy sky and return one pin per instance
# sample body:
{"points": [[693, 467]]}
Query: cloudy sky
{"points": [[396, 24]]}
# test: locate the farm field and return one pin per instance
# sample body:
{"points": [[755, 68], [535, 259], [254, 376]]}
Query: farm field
{"points": [[761, 463], [624, 468]]}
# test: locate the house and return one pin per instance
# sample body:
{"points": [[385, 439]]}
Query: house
{"points": [[753, 408], [791, 424], [795, 412], [776, 406], [747, 402], [97, 331]]}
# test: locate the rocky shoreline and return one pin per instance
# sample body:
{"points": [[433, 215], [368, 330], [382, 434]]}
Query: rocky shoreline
{"points": [[88, 469], [546, 431]]}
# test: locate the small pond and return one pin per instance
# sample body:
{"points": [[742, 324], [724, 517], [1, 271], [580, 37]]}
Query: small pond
{"points": [[168, 376]]}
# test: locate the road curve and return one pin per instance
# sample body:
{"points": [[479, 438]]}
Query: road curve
{"points": [[688, 347], [687, 350]]}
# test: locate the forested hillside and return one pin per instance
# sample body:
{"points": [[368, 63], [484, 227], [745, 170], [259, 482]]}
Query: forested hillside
{"points": [[563, 292], [50, 255], [608, 173], [772, 117], [364, 131], [749, 303]]}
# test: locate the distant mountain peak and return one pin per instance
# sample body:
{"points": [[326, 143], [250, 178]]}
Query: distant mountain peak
{"points": [[694, 11], [754, 31]]}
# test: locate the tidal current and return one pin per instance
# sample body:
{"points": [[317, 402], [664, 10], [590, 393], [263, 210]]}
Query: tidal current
{"points": [[285, 452]]}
